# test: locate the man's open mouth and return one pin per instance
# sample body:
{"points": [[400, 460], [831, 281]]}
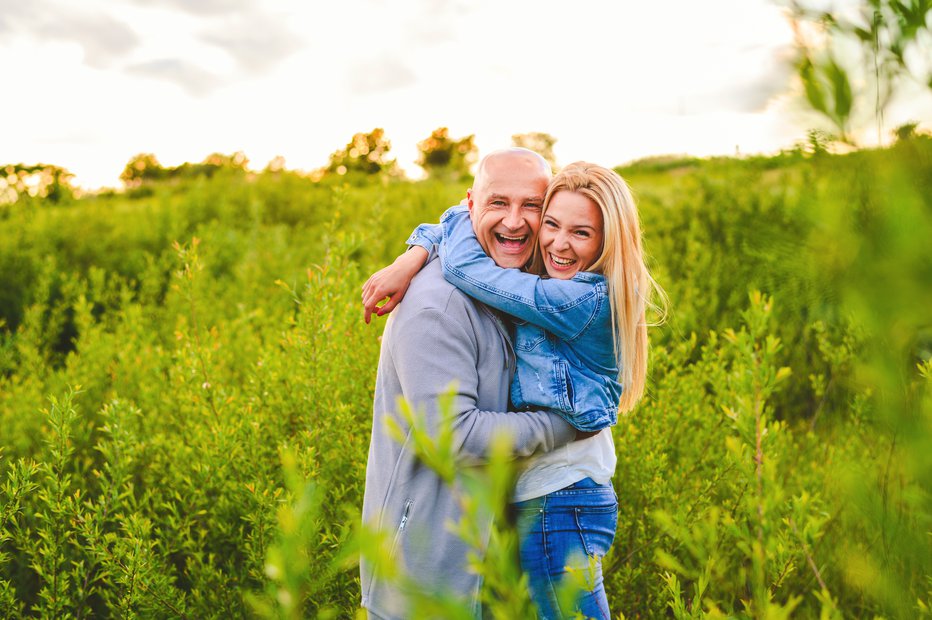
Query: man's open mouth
{"points": [[514, 242]]}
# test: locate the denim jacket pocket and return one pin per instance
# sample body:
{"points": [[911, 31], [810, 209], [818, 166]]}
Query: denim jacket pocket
{"points": [[528, 337], [563, 385], [548, 386]]}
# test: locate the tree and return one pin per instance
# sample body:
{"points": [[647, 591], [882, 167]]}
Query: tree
{"points": [[539, 142], [234, 161], [142, 168], [276, 164], [22, 182], [446, 158], [366, 153], [908, 131]]}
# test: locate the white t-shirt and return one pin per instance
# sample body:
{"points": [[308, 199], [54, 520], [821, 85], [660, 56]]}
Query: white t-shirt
{"points": [[545, 473]]}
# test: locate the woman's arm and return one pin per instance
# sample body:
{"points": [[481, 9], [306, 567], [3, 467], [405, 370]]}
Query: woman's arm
{"points": [[426, 236], [563, 307], [392, 282]]}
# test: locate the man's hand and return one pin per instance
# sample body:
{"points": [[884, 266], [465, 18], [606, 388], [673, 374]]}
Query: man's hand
{"points": [[391, 282]]}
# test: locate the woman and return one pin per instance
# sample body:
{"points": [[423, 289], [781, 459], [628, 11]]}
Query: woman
{"points": [[575, 328]]}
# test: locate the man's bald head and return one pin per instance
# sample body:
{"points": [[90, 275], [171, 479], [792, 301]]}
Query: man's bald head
{"points": [[505, 204], [517, 157]]}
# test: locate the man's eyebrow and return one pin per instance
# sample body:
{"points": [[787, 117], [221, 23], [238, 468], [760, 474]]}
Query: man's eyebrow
{"points": [[505, 197]]}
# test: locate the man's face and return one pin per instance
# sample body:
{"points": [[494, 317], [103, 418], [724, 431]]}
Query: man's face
{"points": [[505, 204]]}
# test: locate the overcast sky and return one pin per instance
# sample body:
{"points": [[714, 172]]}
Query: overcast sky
{"points": [[86, 85]]}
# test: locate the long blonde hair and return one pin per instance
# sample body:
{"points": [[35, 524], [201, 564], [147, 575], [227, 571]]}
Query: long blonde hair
{"points": [[621, 261]]}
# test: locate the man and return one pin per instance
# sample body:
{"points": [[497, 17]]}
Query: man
{"points": [[440, 337]]}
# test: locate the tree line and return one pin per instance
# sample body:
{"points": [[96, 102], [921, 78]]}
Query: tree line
{"points": [[367, 154]]}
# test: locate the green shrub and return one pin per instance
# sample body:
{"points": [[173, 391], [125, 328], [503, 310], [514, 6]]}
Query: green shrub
{"points": [[211, 464]]}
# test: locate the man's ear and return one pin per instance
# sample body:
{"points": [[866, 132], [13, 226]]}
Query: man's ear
{"points": [[468, 200]]}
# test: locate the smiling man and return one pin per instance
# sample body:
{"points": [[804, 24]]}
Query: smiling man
{"points": [[441, 337], [505, 203]]}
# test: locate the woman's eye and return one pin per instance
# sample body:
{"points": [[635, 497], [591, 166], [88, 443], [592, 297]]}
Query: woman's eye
{"points": [[582, 233], [550, 224]]}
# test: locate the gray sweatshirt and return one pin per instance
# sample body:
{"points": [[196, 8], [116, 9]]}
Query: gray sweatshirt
{"points": [[438, 337]]}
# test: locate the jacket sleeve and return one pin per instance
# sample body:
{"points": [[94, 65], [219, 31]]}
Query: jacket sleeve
{"points": [[563, 307], [426, 236], [433, 353]]}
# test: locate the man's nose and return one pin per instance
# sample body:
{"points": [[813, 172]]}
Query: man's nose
{"points": [[513, 219]]}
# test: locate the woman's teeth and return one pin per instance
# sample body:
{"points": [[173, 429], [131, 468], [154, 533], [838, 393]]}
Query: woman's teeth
{"points": [[562, 262]]}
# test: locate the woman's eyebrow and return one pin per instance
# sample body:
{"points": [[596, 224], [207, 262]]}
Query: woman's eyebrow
{"points": [[575, 226]]}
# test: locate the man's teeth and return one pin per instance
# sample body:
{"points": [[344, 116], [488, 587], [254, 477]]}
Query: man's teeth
{"points": [[502, 237], [562, 261]]}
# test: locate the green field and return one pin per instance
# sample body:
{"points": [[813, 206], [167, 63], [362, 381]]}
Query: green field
{"points": [[186, 387]]}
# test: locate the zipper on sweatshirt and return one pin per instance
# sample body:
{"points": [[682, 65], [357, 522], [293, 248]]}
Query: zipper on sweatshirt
{"points": [[401, 526], [404, 517]]}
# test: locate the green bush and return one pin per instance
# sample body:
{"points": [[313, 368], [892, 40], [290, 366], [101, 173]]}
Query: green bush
{"points": [[186, 388]]}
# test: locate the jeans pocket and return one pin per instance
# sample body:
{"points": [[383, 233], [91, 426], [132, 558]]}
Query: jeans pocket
{"points": [[597, 525]]}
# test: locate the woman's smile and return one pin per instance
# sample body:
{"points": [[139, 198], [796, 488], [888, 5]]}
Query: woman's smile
{"points": [[570, 234]]}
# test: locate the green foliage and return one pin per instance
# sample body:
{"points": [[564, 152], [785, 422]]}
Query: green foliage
{"points": [[875, 42], [366, 154], [483, 493], [211, 464], [445, 158], [539, 142], [144, 169], [25, 183]]}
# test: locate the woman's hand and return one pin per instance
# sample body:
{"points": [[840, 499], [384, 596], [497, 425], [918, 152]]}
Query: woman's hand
{"points": [[391, 282]]}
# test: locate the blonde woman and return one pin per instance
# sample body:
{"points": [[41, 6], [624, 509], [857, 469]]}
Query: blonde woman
{"points": [[580, 337]]}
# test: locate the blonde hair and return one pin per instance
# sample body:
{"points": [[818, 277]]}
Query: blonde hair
{"points": [[621, 261]]}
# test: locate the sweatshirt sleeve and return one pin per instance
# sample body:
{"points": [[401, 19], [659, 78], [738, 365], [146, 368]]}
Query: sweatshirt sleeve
{"points": [[432, 354]]}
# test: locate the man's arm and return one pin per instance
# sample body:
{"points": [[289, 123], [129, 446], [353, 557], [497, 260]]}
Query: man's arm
{"points": [[431, 351]]}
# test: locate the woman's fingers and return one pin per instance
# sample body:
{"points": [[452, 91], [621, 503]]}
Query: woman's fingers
{"points": [[389, 283]]}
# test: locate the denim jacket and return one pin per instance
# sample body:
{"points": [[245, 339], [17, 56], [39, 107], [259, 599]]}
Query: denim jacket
{"points": [[563, 328]]}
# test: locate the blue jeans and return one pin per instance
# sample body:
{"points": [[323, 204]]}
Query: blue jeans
{"points": [[568, 531]]}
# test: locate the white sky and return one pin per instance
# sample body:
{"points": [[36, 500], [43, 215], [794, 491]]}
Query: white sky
{"points": [[88, 85]]}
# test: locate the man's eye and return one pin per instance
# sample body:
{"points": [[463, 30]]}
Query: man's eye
{"points": [[532, 205], [498, 203]]}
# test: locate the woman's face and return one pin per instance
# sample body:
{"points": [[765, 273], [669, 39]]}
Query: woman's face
{"points": [[570, 235]]}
